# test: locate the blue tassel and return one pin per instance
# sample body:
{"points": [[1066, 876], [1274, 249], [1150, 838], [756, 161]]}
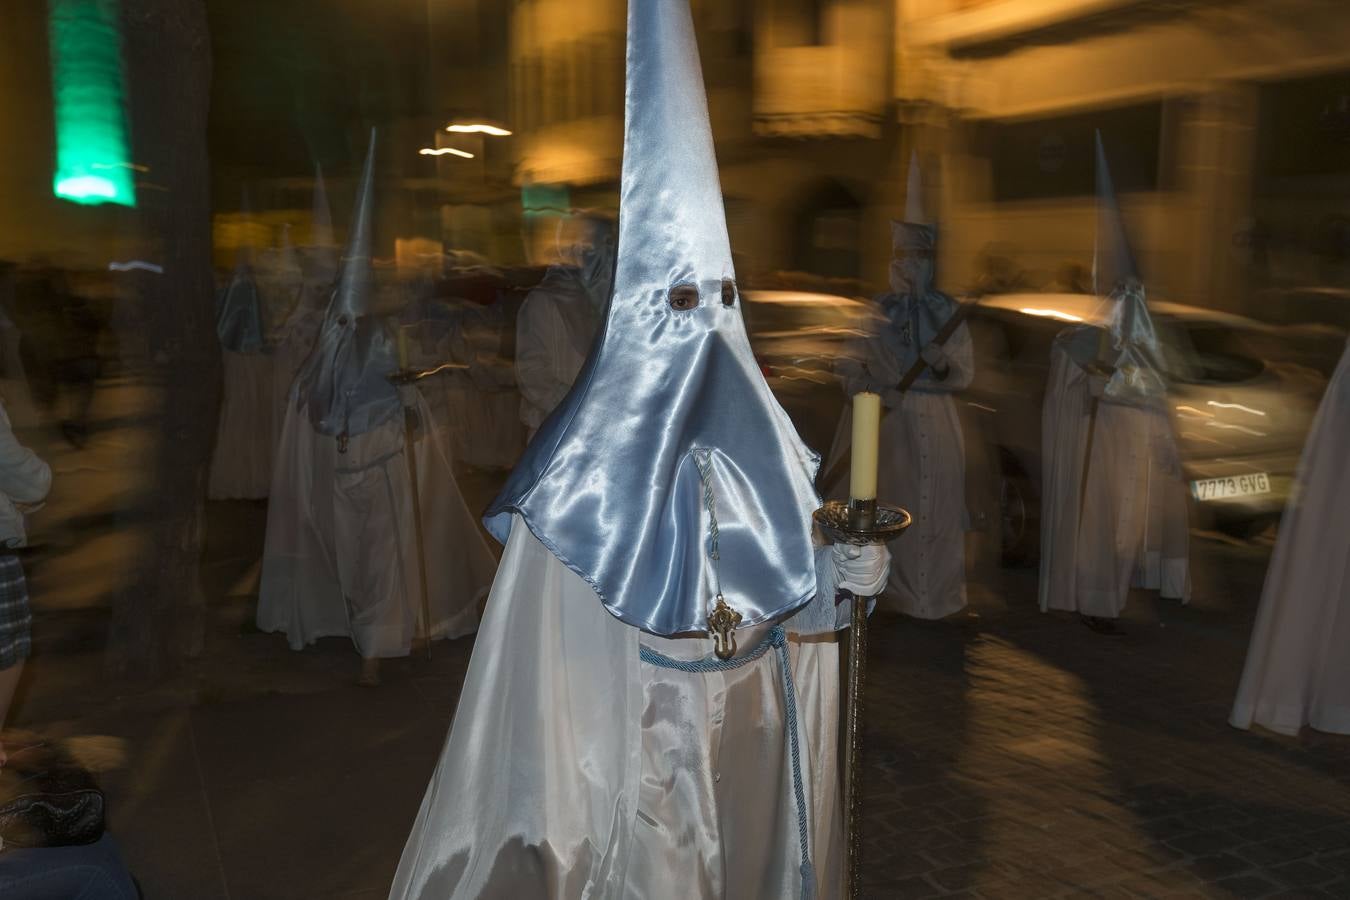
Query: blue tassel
{"points": [[808, 881]]}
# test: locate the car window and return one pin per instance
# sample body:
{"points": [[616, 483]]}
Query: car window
{"points": [[1200, 352]]}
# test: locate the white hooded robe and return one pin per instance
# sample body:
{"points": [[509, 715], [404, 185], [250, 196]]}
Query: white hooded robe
{"points": [[1298, 669], [575, 770]]}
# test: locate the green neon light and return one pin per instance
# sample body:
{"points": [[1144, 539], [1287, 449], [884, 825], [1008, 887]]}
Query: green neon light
{"points": [[92, 162]]}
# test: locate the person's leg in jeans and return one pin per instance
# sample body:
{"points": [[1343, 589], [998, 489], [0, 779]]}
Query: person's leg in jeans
{"points": [[89, 872]]}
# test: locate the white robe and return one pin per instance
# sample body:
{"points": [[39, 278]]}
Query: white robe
{"points": [[1298, 668], [575, 770], [1134, 521], [291, 346], [241, 465], [554, 330], [340, 556], [922, 467], [482, 402]]}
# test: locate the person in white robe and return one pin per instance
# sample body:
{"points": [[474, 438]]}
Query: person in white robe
{"points": [[923, 460], [1113, 495], [1297, 671], [241, 464], [294, 336], [603, 747], [341, 550], [557, 321]]}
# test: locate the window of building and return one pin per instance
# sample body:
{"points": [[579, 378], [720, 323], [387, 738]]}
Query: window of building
{"points": [[1033, 159]]}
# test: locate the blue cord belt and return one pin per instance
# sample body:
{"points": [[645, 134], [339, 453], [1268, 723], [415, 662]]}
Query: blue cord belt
{"points": [[776, 639]]}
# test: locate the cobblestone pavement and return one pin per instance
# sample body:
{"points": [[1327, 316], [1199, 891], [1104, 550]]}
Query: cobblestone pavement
{"points": [[1019, 755]]}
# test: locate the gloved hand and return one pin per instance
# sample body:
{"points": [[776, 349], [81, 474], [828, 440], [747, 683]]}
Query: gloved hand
{"points": [[937, 359], [407, 395], [862, 570]]}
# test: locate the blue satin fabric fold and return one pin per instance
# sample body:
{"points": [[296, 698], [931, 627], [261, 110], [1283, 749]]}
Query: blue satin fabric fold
{"points": [[239, 317], [609, 484], [343, 385], [1133, 352]]}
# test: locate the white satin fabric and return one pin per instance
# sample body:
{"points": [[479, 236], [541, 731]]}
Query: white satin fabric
{"points": [[1298, 671], [341, 556], [241, 466], [1134, 530], [574, 770]]}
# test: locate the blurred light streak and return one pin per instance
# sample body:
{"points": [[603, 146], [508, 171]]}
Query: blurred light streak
{"points": [[981, 406], [1247, 409], [1229, 427], [1051, 314], [1198, 412], [478, 128], [135, 265], [91, 134], [427, 151]]}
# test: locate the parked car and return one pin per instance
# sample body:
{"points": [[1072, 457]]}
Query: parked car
{"points": [[1314, 320], [1240, 412], [797, 337]]}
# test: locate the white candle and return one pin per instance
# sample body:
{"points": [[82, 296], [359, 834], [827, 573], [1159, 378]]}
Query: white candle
{"points": [[866, 436]]}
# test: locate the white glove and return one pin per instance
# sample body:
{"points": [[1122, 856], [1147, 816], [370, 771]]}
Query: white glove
{"points": [[936, 358], [862, 570]]}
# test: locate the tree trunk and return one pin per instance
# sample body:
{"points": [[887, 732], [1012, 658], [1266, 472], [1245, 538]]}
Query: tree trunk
{"points": [[157, 620]]}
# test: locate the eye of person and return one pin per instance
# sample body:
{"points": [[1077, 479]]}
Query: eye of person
{"points": [[683, 297], [728, 292]]}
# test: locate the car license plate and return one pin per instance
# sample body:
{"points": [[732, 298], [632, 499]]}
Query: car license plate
{"points": [[1233, 486]]}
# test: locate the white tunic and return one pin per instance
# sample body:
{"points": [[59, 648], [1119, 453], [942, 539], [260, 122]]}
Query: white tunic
{"points": [[241, 465], [340, 557], [554, 330], [1298, 668], [574, 769], [1133, 530]]}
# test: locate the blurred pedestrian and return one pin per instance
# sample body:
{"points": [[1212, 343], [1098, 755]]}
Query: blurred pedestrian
{"points": [[556, 323], [24, 482], [1298, 671], [923, 460], [1113, 497]]}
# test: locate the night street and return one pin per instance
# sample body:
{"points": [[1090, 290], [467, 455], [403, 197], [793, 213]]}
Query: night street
{"points": [[1010, 753]]}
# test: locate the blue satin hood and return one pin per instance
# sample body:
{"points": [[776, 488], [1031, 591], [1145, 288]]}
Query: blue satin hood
{"points": [[239, 316], [610, 484]]}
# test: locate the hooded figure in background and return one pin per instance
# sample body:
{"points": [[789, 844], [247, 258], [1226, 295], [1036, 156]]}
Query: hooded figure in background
{"points": [[601, 748], [481, 399], [294, 336], [241, 466], [923, 463], [1113, 497], [1297, 671], [340, 556], [558, 320]]}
